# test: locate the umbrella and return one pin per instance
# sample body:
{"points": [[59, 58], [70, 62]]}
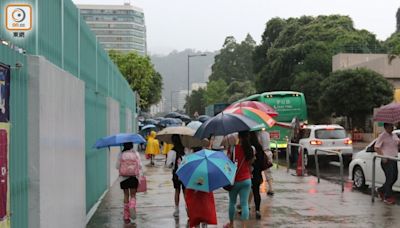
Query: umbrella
{"points": [[167, 122], [159, 118], [256, 105], [148, 126], [185, 118], [118, 140], [194, 125], [388, 114], [185, 133], [150, 121], [206, 170], [173, 115], [203, 118], [254, 114], [224, 124]]}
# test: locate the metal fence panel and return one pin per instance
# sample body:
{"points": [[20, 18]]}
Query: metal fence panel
{"points": [[96, 160], [62, 36]]}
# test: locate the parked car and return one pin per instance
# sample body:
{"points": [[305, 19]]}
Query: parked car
{"points": [[360, 168], [325, 137]]}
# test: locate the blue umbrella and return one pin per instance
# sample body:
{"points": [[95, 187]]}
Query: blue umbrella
{"points": [[148, 126], [118, 140], [206, 170]]}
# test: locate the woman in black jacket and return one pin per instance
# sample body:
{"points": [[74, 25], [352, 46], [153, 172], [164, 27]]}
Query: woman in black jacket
{"points": [[257, 178]]}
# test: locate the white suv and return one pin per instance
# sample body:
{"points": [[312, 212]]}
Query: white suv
{"points": [[326, 137]]}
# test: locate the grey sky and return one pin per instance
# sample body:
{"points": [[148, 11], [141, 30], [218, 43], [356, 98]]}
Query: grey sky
{"points": [[204, 24]]}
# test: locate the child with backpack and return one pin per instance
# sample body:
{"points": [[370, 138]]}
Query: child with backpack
{"points": [[130, 168]]}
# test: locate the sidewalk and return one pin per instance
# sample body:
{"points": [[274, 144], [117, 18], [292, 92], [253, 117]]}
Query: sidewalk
{"points": [[298, 202]]}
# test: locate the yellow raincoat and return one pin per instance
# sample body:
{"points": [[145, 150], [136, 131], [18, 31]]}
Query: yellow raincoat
{"points": [[167, 147], [153, 146]]}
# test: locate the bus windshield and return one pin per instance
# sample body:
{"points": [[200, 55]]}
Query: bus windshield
{"points": [[287, 104]]}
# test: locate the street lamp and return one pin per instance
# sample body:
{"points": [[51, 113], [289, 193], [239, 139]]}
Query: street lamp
{"points": [[188, 79]]}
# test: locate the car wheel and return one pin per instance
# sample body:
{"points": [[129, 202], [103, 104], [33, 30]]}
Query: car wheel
{"points": [[359, 178], [308, 159]]}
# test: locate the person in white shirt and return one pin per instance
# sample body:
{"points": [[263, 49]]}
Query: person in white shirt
{"points": [[265, 142], [387, 145]]}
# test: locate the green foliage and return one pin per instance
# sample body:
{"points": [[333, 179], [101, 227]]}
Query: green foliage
{"points": [[234, 62], [141, 76], [215, 92], [232, 73], [196, 101], [353, 93], [156, 88], [305, 44], [237, 90], [309, 84]]}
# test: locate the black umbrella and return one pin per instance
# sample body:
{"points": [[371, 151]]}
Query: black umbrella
{"points": [[150, 121], [203, 118], [167, 122], [159, 118], [224, 124], [185, 118], [173, 115]]}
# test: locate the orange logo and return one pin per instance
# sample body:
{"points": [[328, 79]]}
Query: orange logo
{"points": [[19, 17]]}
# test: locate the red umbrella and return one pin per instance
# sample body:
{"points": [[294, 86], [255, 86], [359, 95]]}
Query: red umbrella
{"points": [[388, 114], [256, 105]]}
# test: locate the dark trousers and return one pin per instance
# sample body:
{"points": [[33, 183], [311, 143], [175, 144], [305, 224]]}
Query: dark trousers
{"points": [[391, 173], [255, 186]]}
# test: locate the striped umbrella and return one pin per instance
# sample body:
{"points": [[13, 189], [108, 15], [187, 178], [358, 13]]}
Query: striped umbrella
{"points": [[254, 114], [388, 114], [256, 105]]}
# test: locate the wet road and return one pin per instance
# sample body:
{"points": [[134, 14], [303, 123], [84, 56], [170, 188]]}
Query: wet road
{"points": [[298, 202]]}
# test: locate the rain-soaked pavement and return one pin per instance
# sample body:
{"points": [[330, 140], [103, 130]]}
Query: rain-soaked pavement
{"points": [[298, 202]]}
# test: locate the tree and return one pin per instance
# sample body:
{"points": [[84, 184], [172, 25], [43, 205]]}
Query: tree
{"points": [[234, 62], [309, 84], [196, 101], [234, 67], [141, 76], [238, 90], [307, 43], [215, 92], [354, 93], [156, 86]]}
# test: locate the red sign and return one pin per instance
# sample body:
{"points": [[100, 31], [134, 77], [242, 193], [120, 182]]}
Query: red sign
{"points": [[274, 135]]}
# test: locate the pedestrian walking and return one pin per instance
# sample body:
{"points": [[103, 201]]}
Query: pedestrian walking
{"points": [[174, 159], [204, 215], [130, 168], [264, 139], [166, 148], [152, 147], [258, 166], [387, 145], [243, 156]]}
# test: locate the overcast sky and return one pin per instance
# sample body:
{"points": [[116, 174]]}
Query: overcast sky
{"points": [[204, 24]]}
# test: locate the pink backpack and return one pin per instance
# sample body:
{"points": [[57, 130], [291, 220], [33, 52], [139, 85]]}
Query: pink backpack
{"points": [[129, 165]]}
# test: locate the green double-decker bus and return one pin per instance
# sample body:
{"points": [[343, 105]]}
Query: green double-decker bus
{"points": [[288, 104]]}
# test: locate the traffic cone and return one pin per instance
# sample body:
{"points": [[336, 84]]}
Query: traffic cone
{"points": [[299, 168]]}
